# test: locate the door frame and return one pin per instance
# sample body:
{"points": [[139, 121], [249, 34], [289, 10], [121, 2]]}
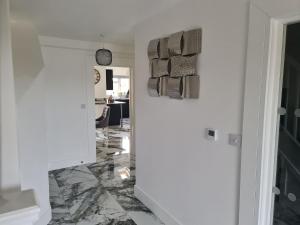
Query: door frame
{"points": [[266, 40]]}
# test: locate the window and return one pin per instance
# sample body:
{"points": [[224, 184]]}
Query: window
{"points": [[121, 85]]}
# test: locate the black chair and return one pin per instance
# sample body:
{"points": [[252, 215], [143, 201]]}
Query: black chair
{"points": [[103, 120]]}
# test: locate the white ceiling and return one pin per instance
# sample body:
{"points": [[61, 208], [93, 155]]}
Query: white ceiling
{"points": [[87, 19]]}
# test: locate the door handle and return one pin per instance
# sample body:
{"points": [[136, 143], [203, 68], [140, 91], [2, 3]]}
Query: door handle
{"points": [[281, 111], [297, 112], [276, 191], [292, 197]]}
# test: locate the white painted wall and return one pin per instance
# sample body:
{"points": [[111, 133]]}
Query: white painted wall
{"points": [[9, 164], [69, 68], [185, 178], [31, 115]]}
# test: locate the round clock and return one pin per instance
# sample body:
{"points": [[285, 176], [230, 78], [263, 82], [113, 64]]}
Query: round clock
{"points": [[97, 76]]}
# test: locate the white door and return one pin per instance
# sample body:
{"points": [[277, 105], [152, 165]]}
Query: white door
{"points": [[66, 106]]}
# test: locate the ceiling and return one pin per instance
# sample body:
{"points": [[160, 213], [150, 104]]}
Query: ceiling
{"points": [[87, 19]]}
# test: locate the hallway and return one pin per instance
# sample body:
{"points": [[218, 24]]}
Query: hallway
{"points": [[100, 193]]}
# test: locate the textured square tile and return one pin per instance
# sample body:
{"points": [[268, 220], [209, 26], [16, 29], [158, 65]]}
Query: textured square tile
{"points": [[160, 67], [175, 43], [183, 66], [192, 42], [153, 49]]}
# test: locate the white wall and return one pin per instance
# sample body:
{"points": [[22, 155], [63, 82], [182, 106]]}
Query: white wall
{"points": [[9, 164], [31, 118], [191, 179], [70, 98]]}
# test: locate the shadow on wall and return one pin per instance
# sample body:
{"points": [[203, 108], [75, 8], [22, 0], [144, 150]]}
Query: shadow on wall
{"points": [[29, 74], [27, 56]]}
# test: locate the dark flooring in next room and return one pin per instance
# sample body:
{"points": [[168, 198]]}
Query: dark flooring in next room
{"points": [[100, 193]]}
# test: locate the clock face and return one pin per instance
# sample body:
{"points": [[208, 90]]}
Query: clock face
{"points": [[97, 76]]}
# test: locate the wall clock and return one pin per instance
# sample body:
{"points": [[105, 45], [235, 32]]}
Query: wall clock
{"points": [[97, 76]]}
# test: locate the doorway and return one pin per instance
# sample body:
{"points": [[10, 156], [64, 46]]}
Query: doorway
{"points": [[287, 181], [112, 109], [265, 67]]}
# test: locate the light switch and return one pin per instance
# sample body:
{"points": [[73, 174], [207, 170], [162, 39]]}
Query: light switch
{"points": [[235, 140], [211, 134]]}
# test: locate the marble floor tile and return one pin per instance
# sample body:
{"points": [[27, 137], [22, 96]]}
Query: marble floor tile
{"points": [[73, 175], [105, 210], [60, 212], [53, 186], [143, 218], [100, 193], [81, 197], [59, 223]]}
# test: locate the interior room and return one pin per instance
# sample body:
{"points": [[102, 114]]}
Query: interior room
{"points": [[161, 112]]}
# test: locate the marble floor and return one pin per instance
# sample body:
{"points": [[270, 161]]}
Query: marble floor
{"points": [[100, 193]]}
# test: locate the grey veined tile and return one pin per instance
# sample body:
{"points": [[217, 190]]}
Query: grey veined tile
{"points": [[60, 213], [81, 197], [143, 218], [60, 223], [100, 193], [73, 175], [53, 186], [103, 210]]}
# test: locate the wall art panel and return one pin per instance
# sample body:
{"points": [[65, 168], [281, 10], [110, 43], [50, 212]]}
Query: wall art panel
{"points": [[175, 87], [163, 86], [153, 87], [191, 86], [160, 67], [153, 49], [173, 65], [163, 49], [192, 42], [175, 43], [183, 65]]}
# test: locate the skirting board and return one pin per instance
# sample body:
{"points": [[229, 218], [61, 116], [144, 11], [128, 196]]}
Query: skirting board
{"points": [[45, 217], [155, 207]]}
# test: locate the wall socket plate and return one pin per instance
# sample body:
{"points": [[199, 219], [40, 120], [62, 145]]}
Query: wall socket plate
{"points": [[235, 140]]}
